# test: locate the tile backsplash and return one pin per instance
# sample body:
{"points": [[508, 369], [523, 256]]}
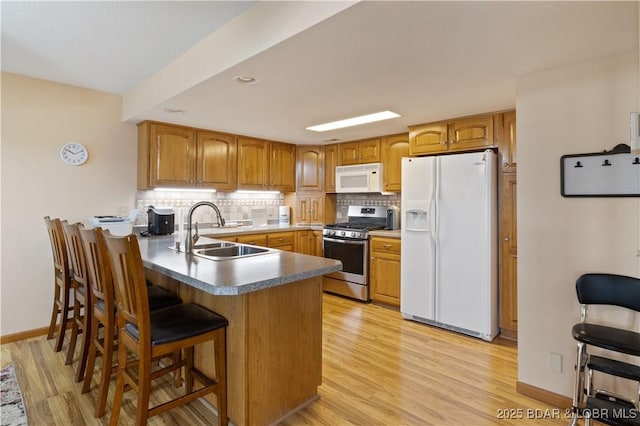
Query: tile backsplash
{"points": [[235, 207], [343, 201], [242, 207]]}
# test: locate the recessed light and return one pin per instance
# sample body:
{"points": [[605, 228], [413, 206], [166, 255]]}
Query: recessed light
{"points": [[175, 110], [246, 79], [354, 121]]}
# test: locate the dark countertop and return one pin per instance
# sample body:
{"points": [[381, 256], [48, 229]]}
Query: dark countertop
{"points": [[233, 276]]}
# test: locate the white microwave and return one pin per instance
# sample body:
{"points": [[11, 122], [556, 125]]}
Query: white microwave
{"points": [[359, 178]]}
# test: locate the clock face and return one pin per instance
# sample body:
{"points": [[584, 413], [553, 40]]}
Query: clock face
{"points": [[74, 154]]}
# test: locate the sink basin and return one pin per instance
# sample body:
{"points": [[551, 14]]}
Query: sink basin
{"points": [[230, 252], [213, 245]]}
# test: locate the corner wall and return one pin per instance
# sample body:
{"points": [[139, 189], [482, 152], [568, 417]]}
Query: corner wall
{"points": [[575, 109], [38, 117]]}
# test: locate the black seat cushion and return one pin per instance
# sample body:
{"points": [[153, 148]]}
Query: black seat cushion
{"points": [[180, 322], [611, 338], [161, 298]]}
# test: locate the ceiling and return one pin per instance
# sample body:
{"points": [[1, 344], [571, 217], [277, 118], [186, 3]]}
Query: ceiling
{"points": [[316, 61]]}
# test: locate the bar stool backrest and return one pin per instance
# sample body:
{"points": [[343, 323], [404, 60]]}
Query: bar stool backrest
{"points": [[76, 254], [129, 284], [98, 267], [58, 248], [609, 289]]}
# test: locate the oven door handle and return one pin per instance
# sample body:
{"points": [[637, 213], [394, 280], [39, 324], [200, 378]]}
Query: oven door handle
{"points": [[352, 242]]}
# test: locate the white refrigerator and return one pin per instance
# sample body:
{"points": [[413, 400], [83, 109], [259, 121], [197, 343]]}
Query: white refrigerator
{"points": [[449, 262]]}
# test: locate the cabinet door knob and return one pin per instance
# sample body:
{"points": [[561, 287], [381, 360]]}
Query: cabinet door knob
{"points": [[505, 164], [506, 238]]}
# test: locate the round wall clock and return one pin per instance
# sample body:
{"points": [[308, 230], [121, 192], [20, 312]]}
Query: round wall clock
{"points": [[74, 154]]}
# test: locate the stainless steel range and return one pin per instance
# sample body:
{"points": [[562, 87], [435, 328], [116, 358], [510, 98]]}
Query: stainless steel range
{"points": [[349, 243]]}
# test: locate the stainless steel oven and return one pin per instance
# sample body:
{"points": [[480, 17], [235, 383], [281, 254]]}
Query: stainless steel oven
{"points": [[349, 243]]}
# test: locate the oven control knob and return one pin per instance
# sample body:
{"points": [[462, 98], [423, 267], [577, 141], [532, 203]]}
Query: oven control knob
{"points": [[342, 233], [354, 234]]}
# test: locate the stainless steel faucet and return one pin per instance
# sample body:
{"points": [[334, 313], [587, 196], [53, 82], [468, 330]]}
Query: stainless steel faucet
{"points": [[191, 239]]}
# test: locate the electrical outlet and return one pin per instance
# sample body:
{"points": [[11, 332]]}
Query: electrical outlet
{"points": [[123, 211], [555, 362]]}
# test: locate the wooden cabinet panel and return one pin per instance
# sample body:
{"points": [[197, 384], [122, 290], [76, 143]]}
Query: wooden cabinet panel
{"points": [[282, 168], [216, 161], [359, 152], [470, 133], [253, 239], [310, 168], [282, 240], [455, 135], [349, 153], [428, 138], [369, 151], [169, 156], [507, 142], [330, 163], [304, 242], [393, 148], [318, 249], [309, 209], [385, 270], [508, 283], [253, 163]]}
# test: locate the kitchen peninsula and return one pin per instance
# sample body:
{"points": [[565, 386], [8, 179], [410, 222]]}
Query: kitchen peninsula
{"points": [[274, 306]]}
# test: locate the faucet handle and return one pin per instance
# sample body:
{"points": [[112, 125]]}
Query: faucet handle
{"points": [[195, 235], [221, 222]]}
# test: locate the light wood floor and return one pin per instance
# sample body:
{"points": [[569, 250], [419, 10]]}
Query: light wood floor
{"points": [[378, 369]]}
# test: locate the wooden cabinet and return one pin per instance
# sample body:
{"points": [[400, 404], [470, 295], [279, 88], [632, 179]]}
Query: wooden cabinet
{"points": [[384, 270], [282, 167], [359, 152], [216, 161], [309, 209], [310, 168], [312, 208], [265, 165], [393, 148], [282, 240], [253, 239], [309, 242], [508, 247], [508, 258], [182, 157], [166, 156], [330, 163], [507, 142], [253, 163], [455, 135]]}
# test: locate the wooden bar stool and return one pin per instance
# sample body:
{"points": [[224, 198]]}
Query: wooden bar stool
{"points": [[81, 321], [63, 282], [104, 312], [150, 334]]}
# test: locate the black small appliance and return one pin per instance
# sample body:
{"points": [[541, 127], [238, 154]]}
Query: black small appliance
{"points": [[161, 220]]}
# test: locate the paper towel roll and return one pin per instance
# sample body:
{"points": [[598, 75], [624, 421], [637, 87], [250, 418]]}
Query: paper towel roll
{"points": [[283, 215]]}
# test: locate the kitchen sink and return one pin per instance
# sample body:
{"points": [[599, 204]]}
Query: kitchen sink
{"points": [[214, 245], [230, 252]]}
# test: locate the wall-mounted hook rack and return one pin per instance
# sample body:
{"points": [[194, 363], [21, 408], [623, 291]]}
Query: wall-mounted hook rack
{"points": [[601, 174]]}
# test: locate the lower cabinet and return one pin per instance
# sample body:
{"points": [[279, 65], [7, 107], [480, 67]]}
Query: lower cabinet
{"points": [[384, 270], [282, 240], [253, 239], [309, 242]]}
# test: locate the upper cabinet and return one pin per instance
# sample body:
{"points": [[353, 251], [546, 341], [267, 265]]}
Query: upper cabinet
{"points": [[265, 165], [359, 152], [393, 148], [282, 167], [507, 141], [310, 168], [330, 163], [456, 135], [216, 161], [181, 157]]}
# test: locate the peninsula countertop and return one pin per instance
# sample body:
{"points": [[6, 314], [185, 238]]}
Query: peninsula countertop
{"points": [[233, 276]]}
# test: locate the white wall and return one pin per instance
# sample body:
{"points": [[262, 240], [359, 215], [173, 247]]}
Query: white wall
{"points": [[576, 109], [38, 117]]}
